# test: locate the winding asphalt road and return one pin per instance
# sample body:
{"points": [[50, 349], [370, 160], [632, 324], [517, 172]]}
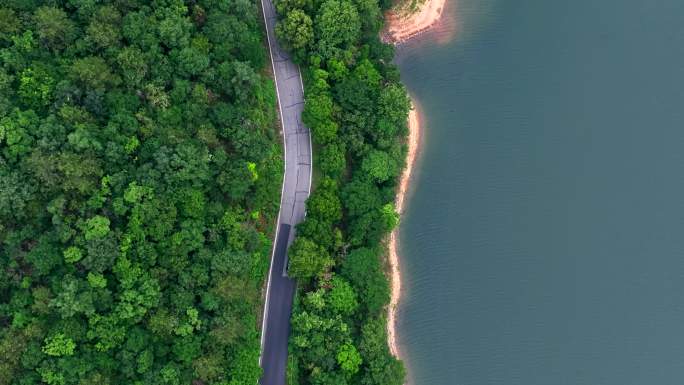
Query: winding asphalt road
{"points": [[296, 188]]}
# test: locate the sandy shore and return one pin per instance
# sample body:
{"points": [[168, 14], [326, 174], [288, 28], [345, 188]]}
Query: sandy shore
{"points": [[403, 24], [413, 142]]}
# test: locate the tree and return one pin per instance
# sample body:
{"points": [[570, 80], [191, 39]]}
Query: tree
{"points": [[317, 339], [362, 268], [307, 259], [104, 29], [133, 65], [96, 227], [286, 6], [16, 195], [15, 130], [97, 280], [156, 96], [349, 359], [317, 115], [372, 16], [72, 254], [36, 87], [360, 196], [380, 165], [170, 374], [59, 345], [325, 234], [296, 32], [238, 78], [337, 25], [73, 298], [342, 297], [191, 61], [381, 367], [54, 27], [359, 92], [174, 28], [332, 160], [92, 73], [324, 203], [44, 254], [390, 216], [9, 24], [246, 366], [394, 105]]}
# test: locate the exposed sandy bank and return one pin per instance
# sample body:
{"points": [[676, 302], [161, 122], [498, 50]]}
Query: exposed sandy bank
{"points": [[413, 142], [403, 24]]}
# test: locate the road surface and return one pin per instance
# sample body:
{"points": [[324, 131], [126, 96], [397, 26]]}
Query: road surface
{"points": [[296, 188]]}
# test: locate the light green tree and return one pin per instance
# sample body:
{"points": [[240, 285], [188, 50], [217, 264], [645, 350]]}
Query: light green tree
{"points": [[379, 165], [97, 280], [35, 87], [318, 116], [72, 254], [337, 25], [307, 259], [390, 216], [296, 32], [96, 227], [349, 358], [342, 297], [59, 345]]}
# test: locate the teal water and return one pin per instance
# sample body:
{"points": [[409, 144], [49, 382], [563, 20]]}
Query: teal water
{"points": [[543, 242]]}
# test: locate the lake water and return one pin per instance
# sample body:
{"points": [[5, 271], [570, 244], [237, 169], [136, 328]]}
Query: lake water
{"points": [[543, 242]]}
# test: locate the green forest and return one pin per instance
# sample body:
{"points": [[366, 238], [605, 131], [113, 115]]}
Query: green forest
{"points": [[140, 173], [357, 111]]}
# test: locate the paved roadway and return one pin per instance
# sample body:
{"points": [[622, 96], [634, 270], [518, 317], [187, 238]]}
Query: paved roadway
{"points": [[296, 188]]}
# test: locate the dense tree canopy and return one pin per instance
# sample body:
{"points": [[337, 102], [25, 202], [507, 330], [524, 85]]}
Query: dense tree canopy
{"points": [[296, 32], [356, 109], [139, 181]]}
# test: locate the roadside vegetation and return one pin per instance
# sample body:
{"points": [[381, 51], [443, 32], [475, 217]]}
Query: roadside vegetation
{"points": [[357, 110], [140, 174]]}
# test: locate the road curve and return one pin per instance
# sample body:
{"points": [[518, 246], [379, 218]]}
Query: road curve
{"points": [[275, 329]]}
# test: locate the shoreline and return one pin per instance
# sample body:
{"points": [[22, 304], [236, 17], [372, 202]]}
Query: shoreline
{"points": [[413, 140], [402, 24]]}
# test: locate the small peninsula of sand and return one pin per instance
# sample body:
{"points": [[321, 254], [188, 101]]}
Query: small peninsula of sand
{"points": [[413, 142], [406, 20]]}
